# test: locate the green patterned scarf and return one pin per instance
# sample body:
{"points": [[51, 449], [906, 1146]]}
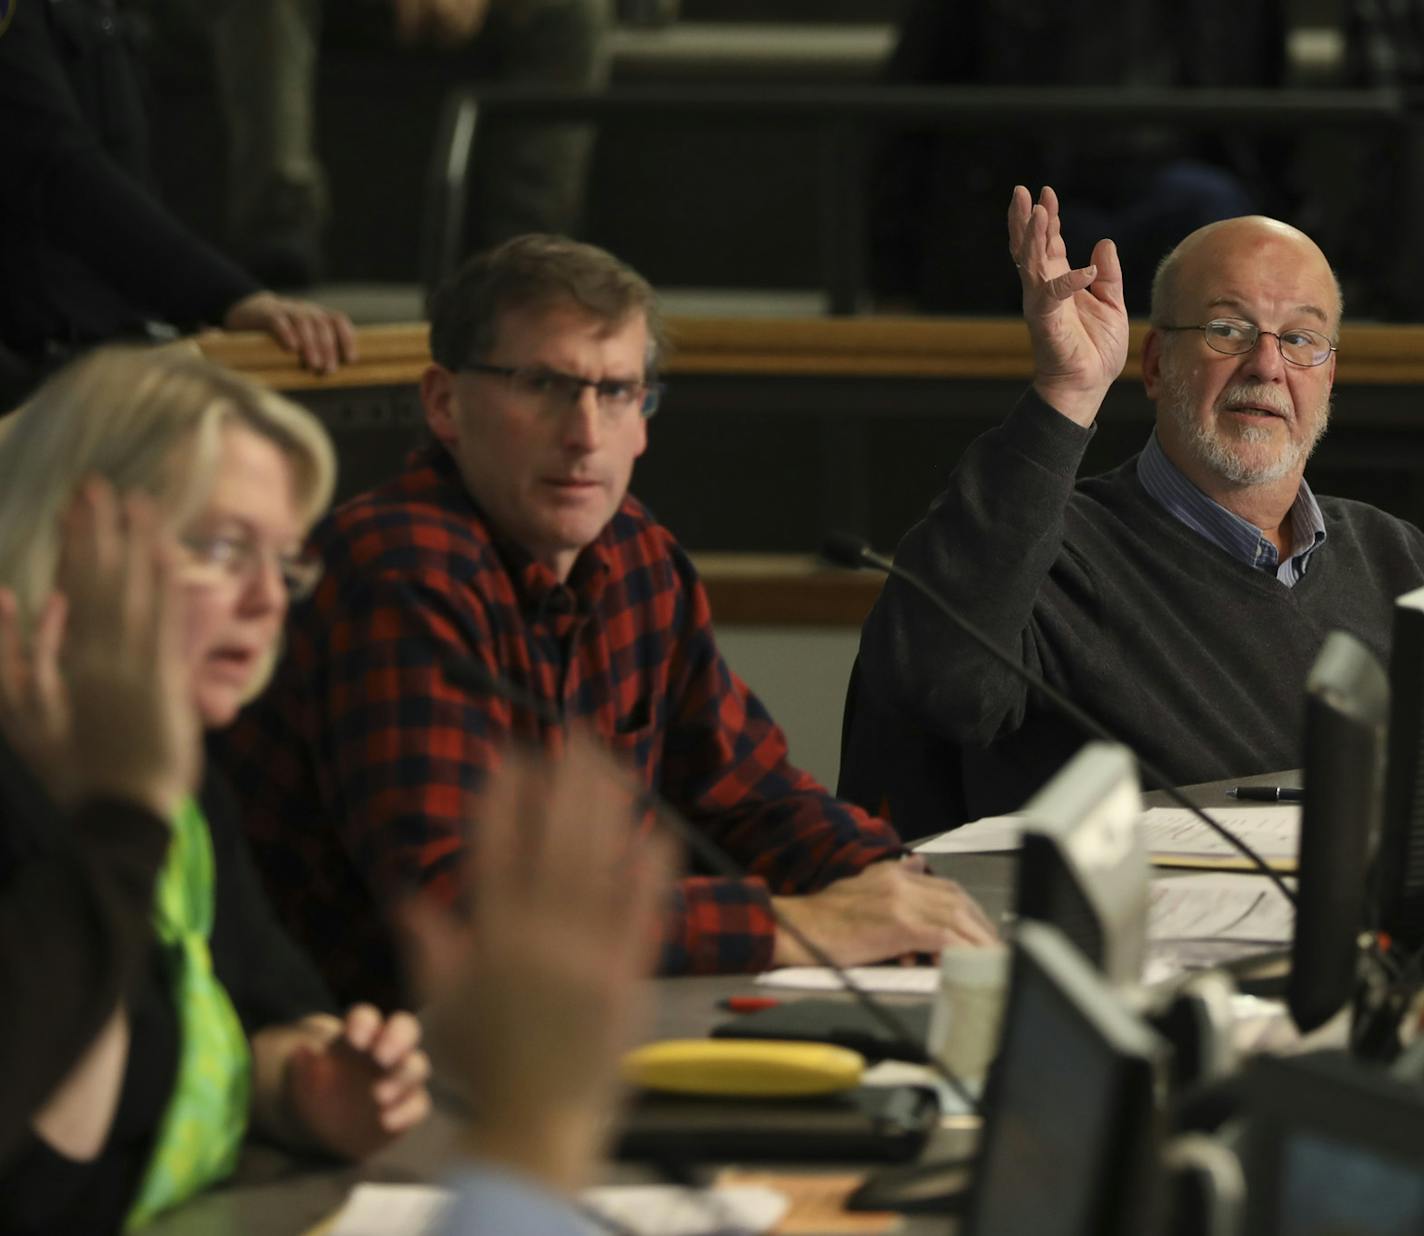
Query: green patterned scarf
{"points": [[200, 1135]]}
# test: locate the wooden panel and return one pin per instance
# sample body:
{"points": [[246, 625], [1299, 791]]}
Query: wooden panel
{"points": [[785, 590], [861, 347]]}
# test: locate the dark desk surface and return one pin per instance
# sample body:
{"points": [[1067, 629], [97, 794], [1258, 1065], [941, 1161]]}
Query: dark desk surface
{"points": [[278, 1196]]}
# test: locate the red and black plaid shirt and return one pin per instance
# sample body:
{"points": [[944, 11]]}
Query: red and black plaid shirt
{"points": [[357, 764]]}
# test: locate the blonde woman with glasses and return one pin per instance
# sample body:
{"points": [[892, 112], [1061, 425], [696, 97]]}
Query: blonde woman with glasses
{"points": [[152, 514]]}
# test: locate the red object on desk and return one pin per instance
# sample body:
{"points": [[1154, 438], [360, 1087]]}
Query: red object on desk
{"points": [[750, 1004]]}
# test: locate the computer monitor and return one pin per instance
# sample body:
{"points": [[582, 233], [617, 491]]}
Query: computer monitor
{"points": [[1084, 866], [1073, 1131], [1332, 1146], [1346, 719], [1399, 865]]}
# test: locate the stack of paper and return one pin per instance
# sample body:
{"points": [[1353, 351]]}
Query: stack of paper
{"points": [[1175, 837]]}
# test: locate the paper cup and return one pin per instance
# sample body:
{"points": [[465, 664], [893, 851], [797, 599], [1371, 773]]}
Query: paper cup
{"points": [[968, 1011]]}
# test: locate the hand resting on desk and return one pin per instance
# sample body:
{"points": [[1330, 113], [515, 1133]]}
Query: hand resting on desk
{"points": [[885, 911]]}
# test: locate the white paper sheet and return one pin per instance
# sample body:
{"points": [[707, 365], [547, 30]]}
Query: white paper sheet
{"points": [[650, 1210], [992, 835], [668, 1210], [397, 1210], [1171, 833], [883, 980], [1218, 906], [1273, 832]]}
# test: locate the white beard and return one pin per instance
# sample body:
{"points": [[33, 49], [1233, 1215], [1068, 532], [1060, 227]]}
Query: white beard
{"points": [[1219, 452]]}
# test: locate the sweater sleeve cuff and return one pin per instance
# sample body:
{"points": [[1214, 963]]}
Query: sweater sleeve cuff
{"points": [[1043, 435], [718, 926]]}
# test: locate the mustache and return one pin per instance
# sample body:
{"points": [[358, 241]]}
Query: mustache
{"points": [[1257, 394]]}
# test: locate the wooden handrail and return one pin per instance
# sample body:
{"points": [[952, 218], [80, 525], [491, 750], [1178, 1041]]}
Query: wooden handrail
{"points": [[793, 590], [870, 347]]}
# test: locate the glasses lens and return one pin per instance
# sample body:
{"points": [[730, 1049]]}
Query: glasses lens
{"points": [[652, 397], [1304, 347], [1230, 335], [541, 384]]}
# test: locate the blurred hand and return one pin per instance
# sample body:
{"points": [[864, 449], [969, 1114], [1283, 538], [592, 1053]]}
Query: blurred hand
{"points": [[353, 1086], [535, 996], [97, 699], [1077, 321], [323, 338], [885, 911], [447, 23]]}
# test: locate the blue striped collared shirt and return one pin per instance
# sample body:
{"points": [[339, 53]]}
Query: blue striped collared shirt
{"points": [[1238, 537]]}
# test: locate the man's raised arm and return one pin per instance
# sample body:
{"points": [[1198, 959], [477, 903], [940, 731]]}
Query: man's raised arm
{"points": [[990, 541]]}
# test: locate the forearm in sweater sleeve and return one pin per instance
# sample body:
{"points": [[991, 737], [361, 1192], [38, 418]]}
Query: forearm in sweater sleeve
{"points": [[987, 546], [74, 928], [127, 236], [59, 177]]}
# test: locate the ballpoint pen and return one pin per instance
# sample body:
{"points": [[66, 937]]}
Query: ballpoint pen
{"points": [[1267, 793]]}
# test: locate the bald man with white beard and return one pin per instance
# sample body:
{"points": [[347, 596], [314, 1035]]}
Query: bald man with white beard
{"points": [[1181, 598]]}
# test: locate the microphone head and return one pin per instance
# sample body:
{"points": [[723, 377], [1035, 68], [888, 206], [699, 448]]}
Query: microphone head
{"points": [[845, 549]]}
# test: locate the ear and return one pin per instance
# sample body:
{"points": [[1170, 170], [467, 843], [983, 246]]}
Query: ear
{"points": [[1152, 363], [437, 398]]}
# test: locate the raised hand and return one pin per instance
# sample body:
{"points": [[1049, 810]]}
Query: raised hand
{"points": [[96, 699], [1077, 321], [534, 995]]}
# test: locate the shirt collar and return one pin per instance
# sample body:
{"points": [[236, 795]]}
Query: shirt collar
{"points": [[1238, 537], [538, 589]]}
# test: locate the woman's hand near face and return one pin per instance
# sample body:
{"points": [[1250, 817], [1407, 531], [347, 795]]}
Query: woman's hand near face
{"points": [[97, 698]]}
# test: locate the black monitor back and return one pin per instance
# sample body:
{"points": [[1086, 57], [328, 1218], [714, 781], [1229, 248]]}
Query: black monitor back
{"points": [[1346, 716], [1072, 1136], [1332, 1146], [1083, 866], [1399, 867]]}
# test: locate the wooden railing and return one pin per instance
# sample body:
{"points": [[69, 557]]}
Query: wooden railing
{"points": [[781, 590], [824, 347], [785, 590]]}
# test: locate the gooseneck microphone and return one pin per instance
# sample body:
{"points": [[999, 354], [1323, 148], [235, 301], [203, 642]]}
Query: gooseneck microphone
{"points": [[473, 674], [848, 550]]}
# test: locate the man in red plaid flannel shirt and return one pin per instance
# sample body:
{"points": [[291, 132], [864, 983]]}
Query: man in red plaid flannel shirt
{"points": [[511, 544]]}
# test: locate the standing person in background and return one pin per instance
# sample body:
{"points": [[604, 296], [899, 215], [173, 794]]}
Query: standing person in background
{"points": [[87, 253], [527, 176], [1147, 186], [223, 1026]]}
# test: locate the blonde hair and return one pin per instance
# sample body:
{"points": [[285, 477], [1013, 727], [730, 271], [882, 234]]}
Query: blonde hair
{"points": [[143, 419]]}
